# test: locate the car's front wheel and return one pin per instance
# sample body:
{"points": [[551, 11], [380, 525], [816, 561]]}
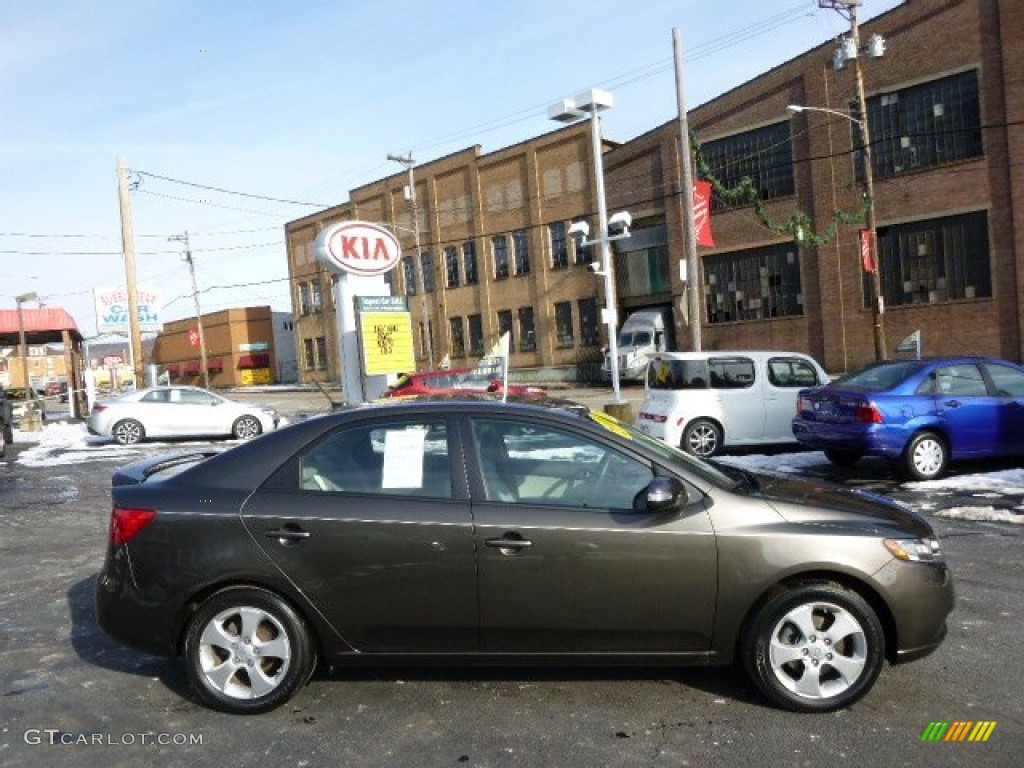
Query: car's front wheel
{"points": [[702, 438], [815, 647], [246, 427], [128, 432], [247, 651], [926, 456]]}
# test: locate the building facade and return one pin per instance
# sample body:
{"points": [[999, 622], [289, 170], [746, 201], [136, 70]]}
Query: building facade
{"points": [[240, 349], [945, 110]]}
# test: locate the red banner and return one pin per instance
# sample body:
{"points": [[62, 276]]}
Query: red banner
{"points": [[867, 257], [702, 213], [193, 336]]}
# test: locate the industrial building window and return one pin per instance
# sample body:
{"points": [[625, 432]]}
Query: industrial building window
{"points": [[303, 298], [923, 126], [476, 334], [316, 297], [765, 155], [427, 265], [458, 336], [559, 245], [563, 324], [409, 271], [754, 284], [589, 336], [308, 357], [499, 243], [521, 244], [932, 261], [469, 262], [505, 326], [451, 266], [321, 353], [527, 335]]}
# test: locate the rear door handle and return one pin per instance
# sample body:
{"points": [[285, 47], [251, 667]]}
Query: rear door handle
{"points": [[952, 403], [287, 535]]}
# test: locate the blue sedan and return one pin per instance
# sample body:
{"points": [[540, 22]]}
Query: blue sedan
{"points": [[922, 413]]}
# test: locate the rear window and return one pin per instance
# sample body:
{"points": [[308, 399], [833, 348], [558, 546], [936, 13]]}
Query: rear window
{"points": [[880, 376], [677, 374]]}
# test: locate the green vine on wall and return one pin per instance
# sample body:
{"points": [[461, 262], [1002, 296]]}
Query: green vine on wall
{"points": [[798, 226]]}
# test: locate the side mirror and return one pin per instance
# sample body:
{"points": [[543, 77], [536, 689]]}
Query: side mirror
{"points": [[663, 495]]}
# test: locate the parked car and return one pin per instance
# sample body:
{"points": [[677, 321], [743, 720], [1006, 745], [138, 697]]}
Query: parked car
{"points": [[704, 402], [178, 412], [454, 382], [467, 529], [921, 413]]}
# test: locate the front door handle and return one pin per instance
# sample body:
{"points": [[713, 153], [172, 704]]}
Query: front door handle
{"points": [[289, 535], [509, 544]]}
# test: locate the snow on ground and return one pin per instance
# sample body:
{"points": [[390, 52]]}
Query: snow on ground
{"points": [[69, 443]]}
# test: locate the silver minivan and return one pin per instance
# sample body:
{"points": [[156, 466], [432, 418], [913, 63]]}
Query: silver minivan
{"points": [[703, 402]]}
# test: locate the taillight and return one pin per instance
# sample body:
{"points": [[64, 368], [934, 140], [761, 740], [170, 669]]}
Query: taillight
{"points": [[867, 413], [97, 407], [803, 404], [654, 417], [125, 524]]}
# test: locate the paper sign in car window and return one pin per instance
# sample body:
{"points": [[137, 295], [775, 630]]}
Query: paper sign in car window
{"points": [[611, 424], [403, 458]]}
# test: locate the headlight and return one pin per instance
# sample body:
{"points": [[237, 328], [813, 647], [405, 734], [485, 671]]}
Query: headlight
{"points": [[914, 550]]}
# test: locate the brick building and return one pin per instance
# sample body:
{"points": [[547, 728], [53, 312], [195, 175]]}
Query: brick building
{"points": [[946, 114]]}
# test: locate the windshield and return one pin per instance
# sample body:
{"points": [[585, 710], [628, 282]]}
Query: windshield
{"points": [[634, 338], [880, 376], [674, 457]]}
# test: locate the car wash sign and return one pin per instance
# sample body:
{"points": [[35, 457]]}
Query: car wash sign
{"points": [[358, 248], [112, 310]]}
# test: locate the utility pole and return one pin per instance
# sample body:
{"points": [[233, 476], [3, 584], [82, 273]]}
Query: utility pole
{"points": [[693, 282], [195, 299], [877, 297], [128, 244], [428, 342]]}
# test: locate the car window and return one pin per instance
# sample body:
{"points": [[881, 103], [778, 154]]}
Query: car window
{"points": [[791, 372], [964, 380], [527, 463], [1009, 382], [156, 396], [396, 458], [731, 372]]}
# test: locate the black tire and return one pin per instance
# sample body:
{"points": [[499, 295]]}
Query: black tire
{"points": [[843, 458], [702, 438], [128, 432], [926, 457], [826, 664], [237, 632], [246, 427]]}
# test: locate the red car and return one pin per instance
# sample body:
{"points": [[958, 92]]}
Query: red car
{"points": [[453, 383]]}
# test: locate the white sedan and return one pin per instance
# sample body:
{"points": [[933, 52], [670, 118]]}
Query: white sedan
{"points": [[178, 412]]}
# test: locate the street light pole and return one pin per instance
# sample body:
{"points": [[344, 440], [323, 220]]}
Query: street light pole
{"points": [[195, 300], [568, 111], [428, 342]]}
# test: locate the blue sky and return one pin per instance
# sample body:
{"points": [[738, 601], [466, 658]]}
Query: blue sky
{"points": [[303, 101]]}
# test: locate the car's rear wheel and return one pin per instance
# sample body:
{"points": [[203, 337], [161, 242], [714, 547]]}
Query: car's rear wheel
{"points": [[247, 651], [702, 438], [815, 647], [926, 456], [246, 427], [843, 458], [128, 432]]}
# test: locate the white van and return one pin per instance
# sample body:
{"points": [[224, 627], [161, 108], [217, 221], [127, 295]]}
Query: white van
{"points": [[703, 402]]}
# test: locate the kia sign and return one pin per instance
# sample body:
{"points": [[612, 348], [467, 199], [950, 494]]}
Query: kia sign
{"points": [[358, 248]]}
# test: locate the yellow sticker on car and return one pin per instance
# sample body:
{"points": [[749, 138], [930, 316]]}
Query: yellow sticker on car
{"points": [[611, 424]]}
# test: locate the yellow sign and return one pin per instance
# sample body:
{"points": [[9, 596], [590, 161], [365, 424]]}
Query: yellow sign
{"points": [[387, 342], [610, 423], [254, 376]]}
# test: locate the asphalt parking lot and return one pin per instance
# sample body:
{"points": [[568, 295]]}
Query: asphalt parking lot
{"points": [[72, 697]]}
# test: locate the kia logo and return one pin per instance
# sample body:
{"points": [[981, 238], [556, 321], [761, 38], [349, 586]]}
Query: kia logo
{"points": [[358, 247]]}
